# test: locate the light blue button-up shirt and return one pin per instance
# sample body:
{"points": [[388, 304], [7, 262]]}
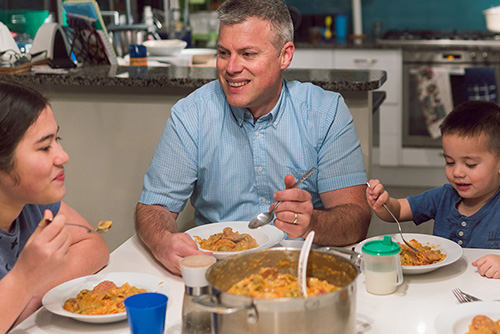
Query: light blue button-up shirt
{"points": [[230, 167]]}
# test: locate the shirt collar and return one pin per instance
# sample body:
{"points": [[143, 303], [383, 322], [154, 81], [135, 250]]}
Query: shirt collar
{"points": [[273, 117]]}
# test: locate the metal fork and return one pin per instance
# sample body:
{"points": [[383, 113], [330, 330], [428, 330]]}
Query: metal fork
{"points": [[464, 297], [399, 226]]}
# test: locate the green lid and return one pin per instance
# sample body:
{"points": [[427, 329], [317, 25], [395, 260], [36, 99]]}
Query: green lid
{"points": [[381, 247]]}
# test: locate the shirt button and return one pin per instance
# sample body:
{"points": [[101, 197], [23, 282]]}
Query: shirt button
{"points": [[263, 200], [461, 233], [464, 224], [260, 169], [460, 242], [256, 133]]}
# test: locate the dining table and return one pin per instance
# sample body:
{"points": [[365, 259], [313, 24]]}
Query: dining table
{"points": [[413, 308]]}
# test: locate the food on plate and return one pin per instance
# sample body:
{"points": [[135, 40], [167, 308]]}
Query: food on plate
{"points": [[105, 298], [482, 324], [427, 255], [227, 241], [269, 284]]}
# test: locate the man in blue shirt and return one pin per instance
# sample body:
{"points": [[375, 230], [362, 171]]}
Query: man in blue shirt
{"points": [[229, 145]]}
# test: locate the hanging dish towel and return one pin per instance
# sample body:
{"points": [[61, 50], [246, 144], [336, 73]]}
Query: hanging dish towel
{"points": [[434, 92], [480, 84]]}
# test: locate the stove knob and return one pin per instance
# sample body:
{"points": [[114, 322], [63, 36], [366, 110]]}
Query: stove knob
{"points": [[473, 55], [485, 55]]}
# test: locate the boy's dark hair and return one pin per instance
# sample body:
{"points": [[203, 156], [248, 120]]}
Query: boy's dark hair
{"points": [[473, 118]]}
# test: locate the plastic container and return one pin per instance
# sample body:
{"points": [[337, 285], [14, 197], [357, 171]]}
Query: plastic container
{"points": [[382, 266]]}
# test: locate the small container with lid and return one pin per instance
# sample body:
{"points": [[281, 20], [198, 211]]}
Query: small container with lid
{"points": [[194, 319], [382, 266]]}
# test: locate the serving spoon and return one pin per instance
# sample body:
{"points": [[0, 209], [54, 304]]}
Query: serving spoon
{"points": [[399, 225], [303, 257], [265, 218], [102, 227]]}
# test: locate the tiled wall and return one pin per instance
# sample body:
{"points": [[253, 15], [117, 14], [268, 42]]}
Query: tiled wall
{"points": [[444, 15]]}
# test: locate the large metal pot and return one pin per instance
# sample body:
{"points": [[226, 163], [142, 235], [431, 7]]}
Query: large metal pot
{"points": [[331, 313]]}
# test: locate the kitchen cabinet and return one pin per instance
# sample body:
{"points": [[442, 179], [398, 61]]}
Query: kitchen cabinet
{"points": [[313, 58], [389, 130], [390, 112]]}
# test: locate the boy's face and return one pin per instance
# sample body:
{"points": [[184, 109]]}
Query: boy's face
{"points": [[471, 168]]}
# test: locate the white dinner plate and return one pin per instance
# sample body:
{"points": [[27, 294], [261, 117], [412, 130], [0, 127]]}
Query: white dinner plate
{"points": [[55, 298], [456, 320], [266, 236], [452, 250]]}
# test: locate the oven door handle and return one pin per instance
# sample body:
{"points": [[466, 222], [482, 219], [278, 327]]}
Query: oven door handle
{"points": [[452, 71], [367, 61]]}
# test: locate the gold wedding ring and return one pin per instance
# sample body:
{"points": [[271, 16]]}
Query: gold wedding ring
{"points": [[296, 218]]}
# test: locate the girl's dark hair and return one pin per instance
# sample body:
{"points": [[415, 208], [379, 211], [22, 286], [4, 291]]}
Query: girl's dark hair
{"points": [[474, 118], [20, 107]]}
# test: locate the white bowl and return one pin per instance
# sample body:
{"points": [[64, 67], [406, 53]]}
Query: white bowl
{"points": [[165, 47], [55, 298], [266, 236], [452, 250], [492, 16], [199, 56]]}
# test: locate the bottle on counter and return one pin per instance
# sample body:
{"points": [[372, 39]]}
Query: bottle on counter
{"points": [[194, 319]]}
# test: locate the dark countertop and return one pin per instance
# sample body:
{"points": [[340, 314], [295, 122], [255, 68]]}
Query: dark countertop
{"points": [[193, 77]]}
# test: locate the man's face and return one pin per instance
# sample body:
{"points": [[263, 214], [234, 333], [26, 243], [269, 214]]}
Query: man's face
{"points": [[249, 67]]}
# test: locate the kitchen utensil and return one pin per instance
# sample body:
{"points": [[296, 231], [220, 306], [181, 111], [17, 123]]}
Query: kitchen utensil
{"points": [[461, 297], [266, 217], [399, 226], [102, 227], [464, 297], [334, 311], [304, 256]]}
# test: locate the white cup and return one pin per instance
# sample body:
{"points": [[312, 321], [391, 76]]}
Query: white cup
{"points": [[382, 266], [194, 269]]}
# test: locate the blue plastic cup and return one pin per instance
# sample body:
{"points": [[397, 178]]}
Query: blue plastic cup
{"points": [[146, 313], [341, 28]]}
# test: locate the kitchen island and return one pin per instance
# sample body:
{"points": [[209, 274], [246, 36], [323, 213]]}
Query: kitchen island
{"points": [[111, 118]]}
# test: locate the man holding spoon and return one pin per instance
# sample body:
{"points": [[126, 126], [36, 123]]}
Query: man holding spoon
{"points": [[229, 145]]}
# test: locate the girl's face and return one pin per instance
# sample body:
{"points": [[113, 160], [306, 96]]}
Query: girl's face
{"points": [[471, 168], [38, 174]]}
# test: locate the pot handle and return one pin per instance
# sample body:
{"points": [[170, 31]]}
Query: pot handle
{"points": [[355, 256], [211, 304]]}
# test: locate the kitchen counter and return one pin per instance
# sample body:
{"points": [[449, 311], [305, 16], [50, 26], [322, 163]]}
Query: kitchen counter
{"points": [[194, 77], [111, 119]]}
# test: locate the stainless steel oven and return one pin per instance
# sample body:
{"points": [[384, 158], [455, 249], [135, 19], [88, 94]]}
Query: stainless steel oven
{"points": [[452, 62]]}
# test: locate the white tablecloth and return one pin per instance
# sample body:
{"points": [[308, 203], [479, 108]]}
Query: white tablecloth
{"points": [[411, 309]]}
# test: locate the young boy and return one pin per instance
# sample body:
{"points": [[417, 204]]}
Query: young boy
{"points": [[466, 209]]}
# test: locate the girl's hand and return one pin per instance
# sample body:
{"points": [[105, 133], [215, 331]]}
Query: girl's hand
{"points": [[45, 253]]}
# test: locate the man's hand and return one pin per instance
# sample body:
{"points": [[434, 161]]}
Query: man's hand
{"points": [[293, 215]]}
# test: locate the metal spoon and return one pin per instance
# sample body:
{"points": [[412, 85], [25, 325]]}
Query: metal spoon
{"points": [[265, 218], [303, 257], [399, 226], [102, 227]]}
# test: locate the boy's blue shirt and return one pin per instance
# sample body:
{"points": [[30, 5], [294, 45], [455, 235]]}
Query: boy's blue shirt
{"points": [[480, 230]]}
